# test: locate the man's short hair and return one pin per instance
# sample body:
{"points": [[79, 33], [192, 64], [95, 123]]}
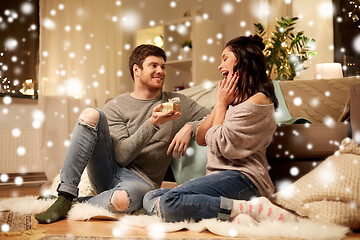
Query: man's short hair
{"points": [[141, 52]]}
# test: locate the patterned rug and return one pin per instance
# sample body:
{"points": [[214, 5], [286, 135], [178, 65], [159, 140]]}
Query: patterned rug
{"points": [[12, 223]]}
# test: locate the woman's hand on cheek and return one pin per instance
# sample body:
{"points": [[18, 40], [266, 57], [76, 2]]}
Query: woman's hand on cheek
{"points": [[227, 91]]}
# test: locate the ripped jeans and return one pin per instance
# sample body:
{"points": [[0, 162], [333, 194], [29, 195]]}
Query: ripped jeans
{"points": [[91, 147]]}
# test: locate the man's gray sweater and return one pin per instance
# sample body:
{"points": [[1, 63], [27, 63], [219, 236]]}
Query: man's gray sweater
{"points": [[140, 146]]}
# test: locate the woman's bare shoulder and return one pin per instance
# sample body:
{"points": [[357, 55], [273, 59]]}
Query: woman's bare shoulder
{"points": [[259, 98]]}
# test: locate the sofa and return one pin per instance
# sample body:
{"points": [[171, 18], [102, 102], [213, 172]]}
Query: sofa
{"points": [[313, 118], [316, 121], [328, 104]]}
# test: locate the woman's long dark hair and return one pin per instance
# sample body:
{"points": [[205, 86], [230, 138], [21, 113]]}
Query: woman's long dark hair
{"points": [[251, 65]]}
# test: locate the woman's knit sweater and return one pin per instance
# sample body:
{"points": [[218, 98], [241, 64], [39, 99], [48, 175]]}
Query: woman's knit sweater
{"points": [[240, 143]]}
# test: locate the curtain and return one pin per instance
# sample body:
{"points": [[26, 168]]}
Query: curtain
{"points": [[80, 55]]}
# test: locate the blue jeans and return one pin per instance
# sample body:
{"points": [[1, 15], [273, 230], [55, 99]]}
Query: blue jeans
{"points": [[92, 147], [205, 197]]}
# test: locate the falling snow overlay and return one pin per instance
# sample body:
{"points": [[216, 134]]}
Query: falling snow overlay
{"points": [[83, 55]]}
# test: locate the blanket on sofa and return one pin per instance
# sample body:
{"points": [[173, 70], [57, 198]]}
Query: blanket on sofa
{"points": [[317, 100]]}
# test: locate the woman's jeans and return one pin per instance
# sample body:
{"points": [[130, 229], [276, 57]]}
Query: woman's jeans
{"points": [[205, 197], [92, 147]]}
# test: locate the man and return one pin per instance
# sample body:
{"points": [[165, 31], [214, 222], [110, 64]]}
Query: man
{"points": [[126, 147]]}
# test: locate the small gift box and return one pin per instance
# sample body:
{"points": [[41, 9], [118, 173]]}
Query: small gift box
{"points": [[173, 104]]}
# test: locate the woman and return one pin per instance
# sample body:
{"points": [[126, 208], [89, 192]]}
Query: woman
{"points": [[236, 133]]}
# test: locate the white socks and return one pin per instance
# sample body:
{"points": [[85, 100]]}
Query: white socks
{"points": [[260, 209]]}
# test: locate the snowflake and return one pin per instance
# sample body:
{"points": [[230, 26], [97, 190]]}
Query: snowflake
{"points": [[172, 4], [116, 232], [294, 171], [286, 188], [21, 151], [61, 6], [26, 8], [356, 44], [11, 44], [325, 10], [114, 18], [232, 232], [18, 181], [156, 230], [16, 132], [48, 23], [66, 143], [5, 227], [297, 101], [353, 205], [190, 151], [7, 100], [4, 177], [228, 8], [208, 85], [329, 121]]}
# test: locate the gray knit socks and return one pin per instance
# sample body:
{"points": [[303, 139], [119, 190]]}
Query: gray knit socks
{"points": [[57, 211], [260, 209]]}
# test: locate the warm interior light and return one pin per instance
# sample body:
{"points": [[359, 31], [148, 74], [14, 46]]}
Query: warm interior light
{"points": [[328, 71], [28, 87], [159, 41]]}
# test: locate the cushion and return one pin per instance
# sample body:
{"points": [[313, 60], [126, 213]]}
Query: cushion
{"points": [[191, 165], [329, 193], [85, 188]]}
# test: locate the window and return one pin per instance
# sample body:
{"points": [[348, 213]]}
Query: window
{"points": [[347, 35], [19, 45]]}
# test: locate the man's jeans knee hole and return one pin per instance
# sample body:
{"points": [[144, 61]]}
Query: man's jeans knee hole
{"points": [[157, 208], [87, 124], [120, 200], [89, 117]]}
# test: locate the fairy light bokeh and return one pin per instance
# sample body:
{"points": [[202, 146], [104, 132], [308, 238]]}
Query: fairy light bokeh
{"points": [[128, 21]]}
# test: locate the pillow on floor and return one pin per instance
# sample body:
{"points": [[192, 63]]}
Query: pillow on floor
{"points": [[190, 166], [329, 193], [85, 188]]}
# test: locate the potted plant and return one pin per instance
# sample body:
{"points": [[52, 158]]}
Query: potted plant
{"points": [[286, 50], [186, 49]]}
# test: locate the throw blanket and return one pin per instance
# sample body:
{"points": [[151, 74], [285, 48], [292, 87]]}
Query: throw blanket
{"points": [[246, 227], [330, 192]]}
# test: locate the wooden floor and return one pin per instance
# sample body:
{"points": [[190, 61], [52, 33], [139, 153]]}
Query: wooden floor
{"points": [[98, 228]]}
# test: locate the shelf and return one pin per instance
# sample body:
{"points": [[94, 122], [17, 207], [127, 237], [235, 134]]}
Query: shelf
{"points": [[179, 63]]}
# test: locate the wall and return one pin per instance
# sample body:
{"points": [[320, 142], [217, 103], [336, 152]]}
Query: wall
{"points": [[317, 22]]}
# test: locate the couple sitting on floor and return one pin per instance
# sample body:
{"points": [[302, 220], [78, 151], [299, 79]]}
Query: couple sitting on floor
{"points": [[127, 146]]}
